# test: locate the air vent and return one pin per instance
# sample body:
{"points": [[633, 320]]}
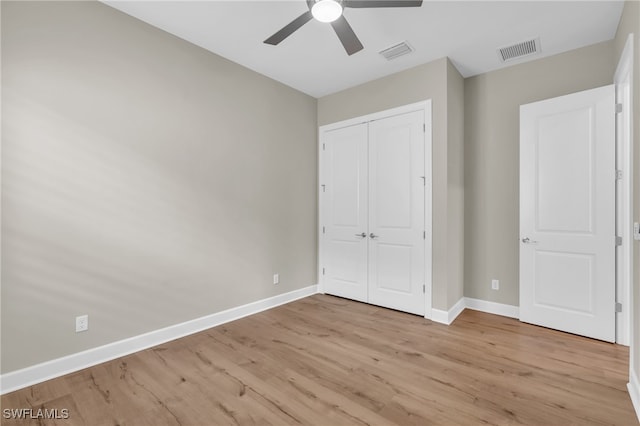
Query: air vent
{"points": [[396, 50], [519, 50]]}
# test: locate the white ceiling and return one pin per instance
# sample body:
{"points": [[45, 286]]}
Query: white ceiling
{"points": [[313, 61]]}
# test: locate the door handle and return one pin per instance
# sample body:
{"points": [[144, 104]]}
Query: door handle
{"points": [[363, 235], [372, 235], [527, 240]]}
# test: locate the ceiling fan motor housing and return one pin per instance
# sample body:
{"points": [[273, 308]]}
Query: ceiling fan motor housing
{"points": [[326, 10]]}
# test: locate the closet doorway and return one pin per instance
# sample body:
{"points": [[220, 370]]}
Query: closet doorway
{"points": [[375, 209]]}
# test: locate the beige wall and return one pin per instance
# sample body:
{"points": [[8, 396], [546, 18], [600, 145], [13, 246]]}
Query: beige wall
{"points": [[455, 185], [630, 23], [428, 81], [145, 181], [491, 160]]}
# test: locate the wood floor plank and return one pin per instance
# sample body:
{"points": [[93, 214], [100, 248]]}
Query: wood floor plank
{"points": [[324, 360]]}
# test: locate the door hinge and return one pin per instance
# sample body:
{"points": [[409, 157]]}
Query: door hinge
{"points": [[424, 235], [618, 241], [323, 230], [424, 180], [424, 288], [324, 147], [424, 128], [618, 174], [322, 271], [618, 307], [618, 108], [324, 187]]}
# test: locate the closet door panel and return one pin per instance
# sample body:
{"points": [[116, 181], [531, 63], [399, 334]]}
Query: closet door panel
{"points": [[396, 212], [345, 212]]}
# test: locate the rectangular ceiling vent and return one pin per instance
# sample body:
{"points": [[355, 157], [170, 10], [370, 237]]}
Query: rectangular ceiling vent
{"points": [[519, 50], [396, 50]]}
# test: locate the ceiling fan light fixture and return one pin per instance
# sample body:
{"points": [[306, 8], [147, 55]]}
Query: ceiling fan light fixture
{"points": [[326, 10]]}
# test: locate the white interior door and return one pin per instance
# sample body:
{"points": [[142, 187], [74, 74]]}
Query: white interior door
{"points": [[344, 238], [567, 213], [396, 212]]}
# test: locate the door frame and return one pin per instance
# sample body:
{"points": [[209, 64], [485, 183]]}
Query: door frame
{"points": [[624, 205], [425, 107]]}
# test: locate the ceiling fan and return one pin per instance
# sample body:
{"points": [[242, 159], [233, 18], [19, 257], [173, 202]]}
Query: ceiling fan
{"points": [[330, 11]]}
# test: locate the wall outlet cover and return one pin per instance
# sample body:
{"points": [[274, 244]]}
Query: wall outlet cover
{"points": [[82, 323]]}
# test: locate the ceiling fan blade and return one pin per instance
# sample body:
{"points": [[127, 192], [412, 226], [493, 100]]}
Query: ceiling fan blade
{"points": [[381, 3], [290, 28], [346, 35]]}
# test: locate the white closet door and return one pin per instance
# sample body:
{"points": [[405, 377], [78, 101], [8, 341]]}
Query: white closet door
{"points": [[345, 212], [396, 212]]}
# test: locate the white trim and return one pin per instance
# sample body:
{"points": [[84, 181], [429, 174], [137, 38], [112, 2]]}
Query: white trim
{"points": [[418, 106], [19, 379], [320, 213], [623, 79], [634, 392], [440, 316], [492, 307], [447, 317]]}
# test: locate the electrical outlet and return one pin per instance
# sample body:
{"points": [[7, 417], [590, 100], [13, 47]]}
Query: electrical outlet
{"points": [[276, 278], [82, 323], [495, 284]]}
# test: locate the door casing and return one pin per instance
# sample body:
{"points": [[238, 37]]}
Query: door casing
{"points": [[623, 80]]}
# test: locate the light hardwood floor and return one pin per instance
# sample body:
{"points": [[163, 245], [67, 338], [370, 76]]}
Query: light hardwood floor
{"points": [[329, 361]]}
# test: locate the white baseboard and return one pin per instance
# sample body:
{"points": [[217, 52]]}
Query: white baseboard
{"points": [[28, 376], [440, 316], [634, 391], [492, 307], [447, 317]]}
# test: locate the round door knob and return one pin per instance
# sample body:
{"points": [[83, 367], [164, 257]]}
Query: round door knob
{"points": [[372, 235]]}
